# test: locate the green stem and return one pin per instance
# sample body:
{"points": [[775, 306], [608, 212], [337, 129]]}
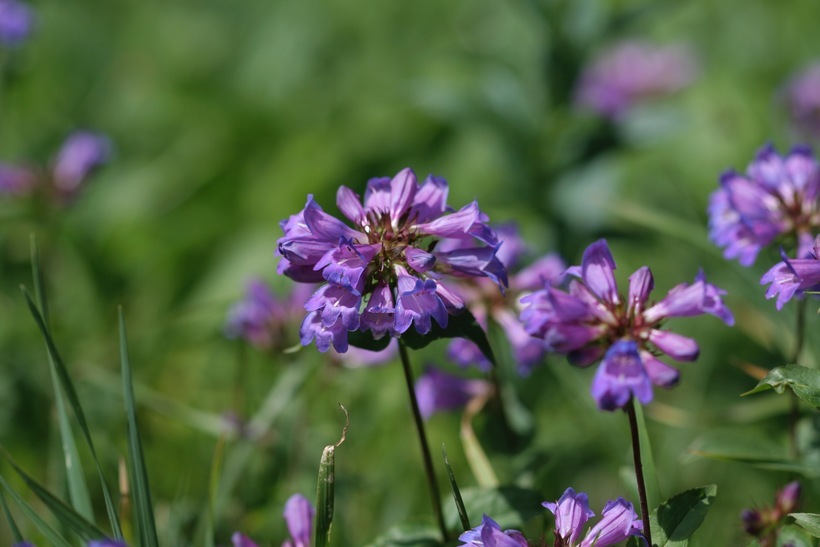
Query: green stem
{"points": [[636, 454], [794, 405], [425, 448]]}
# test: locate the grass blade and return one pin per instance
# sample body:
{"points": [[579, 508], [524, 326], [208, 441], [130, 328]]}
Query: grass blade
{"points": [[462, 511], [74, 401], [139, 474], [67, 516], [50, 533], [15, 531], [75, 476]]}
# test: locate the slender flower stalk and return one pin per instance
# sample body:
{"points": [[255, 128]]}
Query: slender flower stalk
{"points": [[429, 471], [636, 457]]}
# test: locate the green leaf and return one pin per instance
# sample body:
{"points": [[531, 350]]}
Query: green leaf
{"points": [[138, 472], [675, 520], [794, 536], [462, 325], [510, 506], [67, 516], [647, 459], [74, 401], [15, 531], [50, 533], [325, 495], [809, 521], [409, 535], [804, 381], [457, 499]]}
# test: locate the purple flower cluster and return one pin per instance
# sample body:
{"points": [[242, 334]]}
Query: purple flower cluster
{"points": [[299, 515], [263, 319], [777, 196], [16, 22], [802, 96], [385, 274], [618, 522], [592, 321], [793, 276], [631, 72], [486, 302]]}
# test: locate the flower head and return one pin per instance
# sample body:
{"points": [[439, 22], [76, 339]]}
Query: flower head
{"points": [[80, 155], [592, 321], [437, 391], [618, 521], [793, 276], [777, 196], [631, 72], [487, 303], [489, 534], [385, 274], [16, 22], [802, 97]]}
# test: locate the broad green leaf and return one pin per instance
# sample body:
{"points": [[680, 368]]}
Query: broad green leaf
{"points": [[794, 536], [510, 506], [67, 516], [138, 472], [457, 499], [804, 381], [809, 521], [50, 533], [74, 401], [409, 535], [676, 519]]}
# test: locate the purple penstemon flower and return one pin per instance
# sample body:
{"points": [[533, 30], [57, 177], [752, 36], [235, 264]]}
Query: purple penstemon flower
{"points": [[592, 321], [490, 534], [487, 303], [793, 277], [631, 72], [802, 97], [778, 196], [386, 273], [16, 22], [618, 521]]}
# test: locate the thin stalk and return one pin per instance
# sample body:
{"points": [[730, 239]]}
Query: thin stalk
{"points": [[636, 455], [425, 448], [794, 405]]}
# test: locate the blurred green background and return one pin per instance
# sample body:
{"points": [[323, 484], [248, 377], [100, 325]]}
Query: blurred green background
{"points": [[226, 114]]}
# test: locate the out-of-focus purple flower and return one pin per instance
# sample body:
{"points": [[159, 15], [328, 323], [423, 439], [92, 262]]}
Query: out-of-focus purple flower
{"points": [[764, 523], [631, 72], [106, 543], [358, 357], [618, 521], [777, 196], [787, 498], [16, 180], [437, 390], [263, 319], [386, 273], [80, 155], [16, 22], [793, 276], [299, 515], [485, 303], [802, 97], [593, 321], [489, 534]]}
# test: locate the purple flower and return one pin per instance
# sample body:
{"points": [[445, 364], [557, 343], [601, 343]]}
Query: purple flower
{"points": [[385, 274], [485, 302], [787, 498], [489, 534], [80, 155], [106, 543], [802, 97], [618, 521], [241, 540], [764, 523], [299, 515], [436, 391], [263, 319], [16, 180], [592, 321], [632, 72], [777, 196], [793, 276], [358, 357], [16, 22]]}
